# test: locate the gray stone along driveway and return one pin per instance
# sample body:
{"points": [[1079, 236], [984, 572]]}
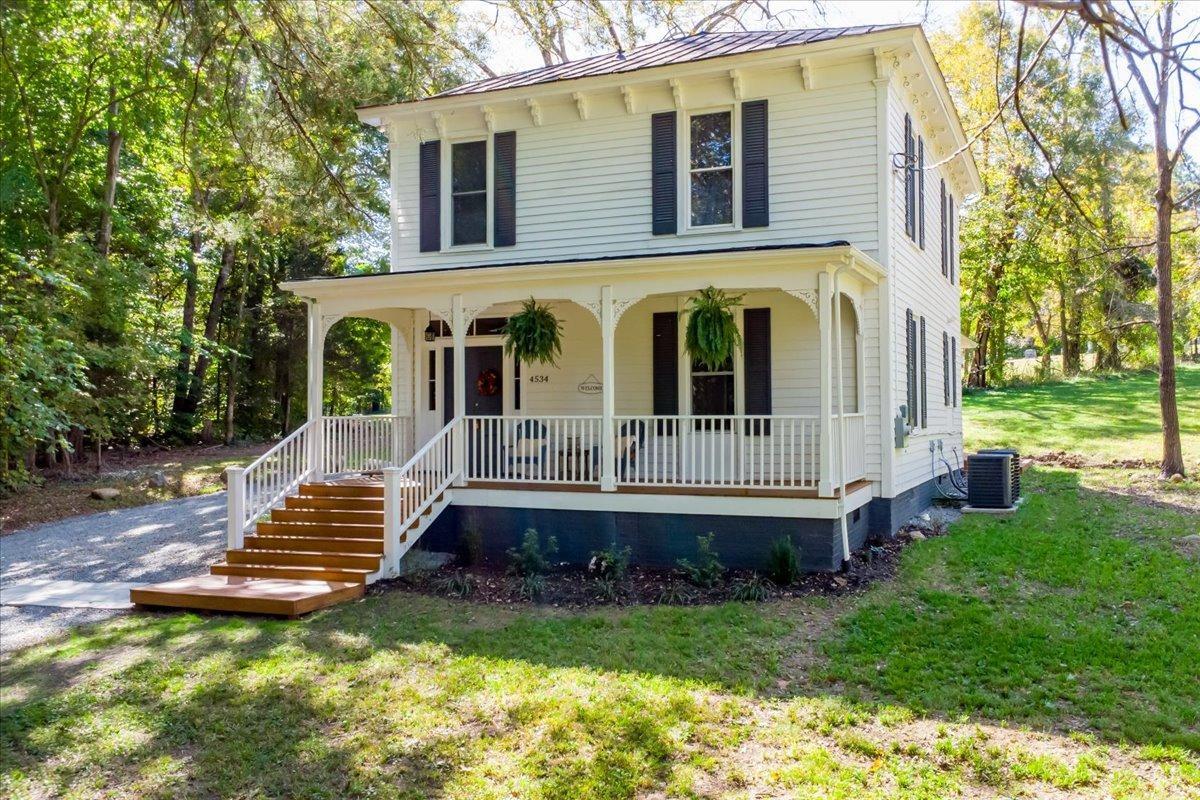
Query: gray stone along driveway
{"points": [[146, 544]]}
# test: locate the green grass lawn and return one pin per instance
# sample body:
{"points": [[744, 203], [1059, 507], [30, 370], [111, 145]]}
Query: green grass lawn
{"points": [[1103, 418], [1053, 652]]}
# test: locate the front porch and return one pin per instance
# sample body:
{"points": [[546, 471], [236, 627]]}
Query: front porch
{"points": [[623, 419]]}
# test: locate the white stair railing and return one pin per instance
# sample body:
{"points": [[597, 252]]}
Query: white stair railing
{"points": [[410, 490], [256, 489]]}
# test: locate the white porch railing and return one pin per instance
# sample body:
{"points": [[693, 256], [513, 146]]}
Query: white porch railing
{"points": [[366, 442], [346, 444], [410, 490], [856, 446], [773, 452], [537, 449]]}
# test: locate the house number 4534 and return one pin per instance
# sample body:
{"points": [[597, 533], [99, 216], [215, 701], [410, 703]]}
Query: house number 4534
{"points": [[539, 378]]}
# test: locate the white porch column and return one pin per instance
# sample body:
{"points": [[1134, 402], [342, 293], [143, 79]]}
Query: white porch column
{"points": [[608, 474], [316, 390], [459, 331], [399, 354], [825, 304]]}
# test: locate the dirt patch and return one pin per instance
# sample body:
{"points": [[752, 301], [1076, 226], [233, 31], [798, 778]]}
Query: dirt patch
{"points": [[60, 493], [1062, 458]]}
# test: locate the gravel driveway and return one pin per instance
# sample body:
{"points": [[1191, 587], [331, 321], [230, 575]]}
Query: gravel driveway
{"points": [[145, 544]]}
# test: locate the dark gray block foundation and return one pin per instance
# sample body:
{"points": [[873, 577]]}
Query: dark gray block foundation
{"points": [[659, 540]]}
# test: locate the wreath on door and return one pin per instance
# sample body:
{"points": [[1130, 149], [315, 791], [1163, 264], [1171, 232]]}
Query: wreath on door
{"points": [[488, 383]]}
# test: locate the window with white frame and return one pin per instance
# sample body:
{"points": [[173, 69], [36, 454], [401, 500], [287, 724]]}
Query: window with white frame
{"points": [[710, 169], [468, 193], [713, 389]]}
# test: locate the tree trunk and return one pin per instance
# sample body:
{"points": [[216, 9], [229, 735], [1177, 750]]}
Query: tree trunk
{"points": [[211, 321], [1172, 460], [182, 420], [112, 167], [234, 361]]}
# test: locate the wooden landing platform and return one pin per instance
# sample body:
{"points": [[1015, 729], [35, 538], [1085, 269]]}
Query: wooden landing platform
{"points": [[275, 596]]}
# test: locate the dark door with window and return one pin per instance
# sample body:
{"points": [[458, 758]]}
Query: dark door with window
{"points": [[485, 381], [485, 397]]}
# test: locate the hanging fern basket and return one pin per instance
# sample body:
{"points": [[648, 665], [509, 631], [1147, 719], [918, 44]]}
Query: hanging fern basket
{"points": [[712, 335], [533, 335]]}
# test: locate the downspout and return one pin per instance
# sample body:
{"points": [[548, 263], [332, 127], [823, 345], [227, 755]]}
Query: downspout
{"points": [[840, 451]]}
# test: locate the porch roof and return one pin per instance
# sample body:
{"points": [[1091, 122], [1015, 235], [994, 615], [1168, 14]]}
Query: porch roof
{"points": [[734, 264]]}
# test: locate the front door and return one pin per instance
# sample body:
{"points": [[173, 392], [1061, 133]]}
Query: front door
{"points": [[485, 381], [485, 397]]}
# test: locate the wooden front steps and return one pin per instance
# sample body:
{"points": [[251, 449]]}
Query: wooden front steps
{"points": [[320, 548]]}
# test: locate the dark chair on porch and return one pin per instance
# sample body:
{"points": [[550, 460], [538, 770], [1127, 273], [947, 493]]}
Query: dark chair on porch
{"points": [[631, 438], [527, 456]]}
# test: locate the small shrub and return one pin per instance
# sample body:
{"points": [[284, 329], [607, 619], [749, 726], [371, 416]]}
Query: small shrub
{"points": [[751, 590], [532, 586], [531, 558], [783, 562], [611, 563], [608, 589], [674, 594], [472, 546], [460, 584], [708, 569]]}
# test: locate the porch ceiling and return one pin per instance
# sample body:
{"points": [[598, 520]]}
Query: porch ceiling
{"points": [[786, 267]]}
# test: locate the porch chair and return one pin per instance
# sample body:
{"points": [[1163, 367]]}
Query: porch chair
{"points": [[528, 454], [630, 440]]}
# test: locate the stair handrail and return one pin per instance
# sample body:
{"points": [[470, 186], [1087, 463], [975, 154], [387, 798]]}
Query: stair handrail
{"points": [[256, 489], [438, 471]]}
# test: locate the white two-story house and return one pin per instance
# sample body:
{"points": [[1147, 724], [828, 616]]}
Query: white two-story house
{"points": [[818, 174]]}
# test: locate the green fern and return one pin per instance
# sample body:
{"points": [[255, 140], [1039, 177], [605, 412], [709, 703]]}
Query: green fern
{"points": [[712, 334], [533, 335]]}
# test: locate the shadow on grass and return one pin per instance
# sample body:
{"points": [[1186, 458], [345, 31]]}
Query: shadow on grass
{"points": [[1075, 615]]}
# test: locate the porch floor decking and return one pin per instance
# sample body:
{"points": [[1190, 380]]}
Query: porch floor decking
{"points": [[667, 489]]}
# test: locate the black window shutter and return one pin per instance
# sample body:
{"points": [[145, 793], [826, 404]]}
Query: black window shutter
{"points": [[663, 177], [755, 211], [954, 371], [953, 241], [910, 364], [504, 223], [924, 382], [945, 368], [921, 192], [431, 201], [908, 176], [756, 358], [665, 362], [945, 255]]}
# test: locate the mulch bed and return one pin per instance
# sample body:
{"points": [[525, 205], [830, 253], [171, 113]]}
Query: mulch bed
{"points": [[574, 587]]}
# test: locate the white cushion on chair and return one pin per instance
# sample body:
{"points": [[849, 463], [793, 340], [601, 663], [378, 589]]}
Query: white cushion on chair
{"points": [[530, 447]]}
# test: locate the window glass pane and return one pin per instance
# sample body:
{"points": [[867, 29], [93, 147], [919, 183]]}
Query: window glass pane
{"points": [[712, 142], [470, 218], [712, 197], [468, 167], [712, 394]]}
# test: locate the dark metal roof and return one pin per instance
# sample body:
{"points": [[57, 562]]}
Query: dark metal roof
{"points": [[697, 47], [753, 248]]}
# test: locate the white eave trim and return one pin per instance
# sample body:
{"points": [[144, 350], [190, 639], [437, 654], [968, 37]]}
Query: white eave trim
{"points": [[716, 65], [466, 279]]}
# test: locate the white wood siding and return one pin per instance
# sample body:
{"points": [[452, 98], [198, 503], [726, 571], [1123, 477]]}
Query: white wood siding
{"points": [[583, 186], [918, 284]]}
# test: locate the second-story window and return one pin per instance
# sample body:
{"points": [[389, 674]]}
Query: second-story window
{"points": [[468, 192], [710, 169]]}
